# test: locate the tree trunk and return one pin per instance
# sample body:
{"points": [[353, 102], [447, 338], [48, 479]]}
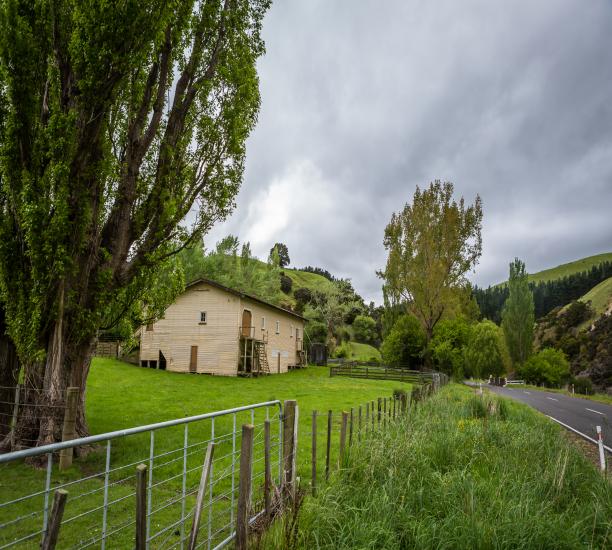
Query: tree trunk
{"points": [[9, 376], [41, 411]]}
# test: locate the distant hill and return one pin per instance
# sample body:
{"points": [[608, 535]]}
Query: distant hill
{"points": [[569, 268], [601, 301], [306, 279]]}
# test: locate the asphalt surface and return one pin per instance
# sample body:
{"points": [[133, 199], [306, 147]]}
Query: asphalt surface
{"points": [[582, 415]]}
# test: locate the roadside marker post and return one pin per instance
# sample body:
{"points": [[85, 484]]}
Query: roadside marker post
{"points": [[602, 456]]}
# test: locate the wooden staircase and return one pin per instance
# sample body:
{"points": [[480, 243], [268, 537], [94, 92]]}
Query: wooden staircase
{"points": [[301, 358], [261, 358]]}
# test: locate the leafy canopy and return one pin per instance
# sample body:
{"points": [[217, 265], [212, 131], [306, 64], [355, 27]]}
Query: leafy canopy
{"points": [[432, 243]]}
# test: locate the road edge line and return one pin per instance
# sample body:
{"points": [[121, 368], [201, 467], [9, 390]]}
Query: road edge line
{"points": [[579, 433]]}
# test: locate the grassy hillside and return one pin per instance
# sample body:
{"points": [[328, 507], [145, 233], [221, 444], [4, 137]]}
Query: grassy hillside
{"points": [[305, 279], [600, 296], [364, 352], [461, 472], [570, 268]]}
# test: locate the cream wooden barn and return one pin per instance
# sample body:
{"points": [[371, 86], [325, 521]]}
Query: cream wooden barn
{"points": [[213, 329]]}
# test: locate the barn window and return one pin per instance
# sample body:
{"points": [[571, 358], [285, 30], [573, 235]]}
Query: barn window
{"points": [[277, 327], [263, 323], [202, 317], [291, 331]]}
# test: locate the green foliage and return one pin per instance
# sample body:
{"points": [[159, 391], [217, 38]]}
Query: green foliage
{"points": [[241, 271], [282, 251], [404, 344], [432, 243], [447, 346], [486, 353], [343, 351], [549, 366], [364, 329], [286, 283], [518, 315], [583, 385], [116, 118], [316, 332]]}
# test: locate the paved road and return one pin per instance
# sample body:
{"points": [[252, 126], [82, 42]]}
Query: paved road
{"points": [[581, 414]]}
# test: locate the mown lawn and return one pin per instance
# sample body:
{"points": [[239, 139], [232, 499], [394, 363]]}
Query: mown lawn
{"points": [[460, 472], [122, 396]]}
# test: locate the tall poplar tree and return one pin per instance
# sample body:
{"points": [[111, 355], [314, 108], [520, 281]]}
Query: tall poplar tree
{"points": [[432, 244], [518, 316], [122, 140]]}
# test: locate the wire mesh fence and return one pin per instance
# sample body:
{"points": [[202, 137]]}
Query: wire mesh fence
{"points": [[100, 508]]}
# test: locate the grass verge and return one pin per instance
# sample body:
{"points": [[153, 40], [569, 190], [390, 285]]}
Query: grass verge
{"points": [[460, 472]]}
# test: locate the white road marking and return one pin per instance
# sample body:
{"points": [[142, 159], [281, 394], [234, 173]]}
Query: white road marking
{"points": [[579, 433], [552, 399], [602, 414], [528, 393]]}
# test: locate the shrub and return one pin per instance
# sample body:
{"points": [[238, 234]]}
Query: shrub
{"points": [[404, 344], [549, 367], [583, 385], [286, 283], [364, 329], [447, 346], [303, 295], [316, 331], [343, 351]]}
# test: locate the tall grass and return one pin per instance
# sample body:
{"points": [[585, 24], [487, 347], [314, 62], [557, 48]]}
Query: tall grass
{"points": [[461, 472]]}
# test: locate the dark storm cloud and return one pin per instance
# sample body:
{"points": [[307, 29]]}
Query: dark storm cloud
{"points": [[364, 100]]}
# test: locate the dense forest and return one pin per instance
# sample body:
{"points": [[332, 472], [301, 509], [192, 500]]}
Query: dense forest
{"points": [[546, 295]]}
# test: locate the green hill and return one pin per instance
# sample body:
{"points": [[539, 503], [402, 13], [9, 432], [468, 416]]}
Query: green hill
{"points": [[569, 268], [600, 297]]}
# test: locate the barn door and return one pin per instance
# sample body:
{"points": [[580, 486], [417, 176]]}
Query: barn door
{"points": [[193, 362], [246, 323]]}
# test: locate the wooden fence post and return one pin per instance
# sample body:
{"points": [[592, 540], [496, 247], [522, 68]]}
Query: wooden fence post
{"points": [[384, 411], [329, 432], [267, 469], [244, 487], [69, 427], [394, 402], [379, 410], [55, 520], [197, 514], [367, 418], [289, 425], [141, 506], [373, 416], [351, 428], [314, 454], [342, 438], [359, 432]]}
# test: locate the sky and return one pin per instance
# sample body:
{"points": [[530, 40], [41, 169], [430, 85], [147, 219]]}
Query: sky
{"points": [[364, 100]]}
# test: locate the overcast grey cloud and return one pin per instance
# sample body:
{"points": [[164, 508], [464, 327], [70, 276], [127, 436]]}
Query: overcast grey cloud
{"points": [[363, 100]]}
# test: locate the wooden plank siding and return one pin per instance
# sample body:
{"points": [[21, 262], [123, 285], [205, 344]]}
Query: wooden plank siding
{"points": [[284, 342], [218, 339]]}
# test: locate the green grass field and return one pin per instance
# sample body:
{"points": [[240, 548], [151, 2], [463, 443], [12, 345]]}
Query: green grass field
{"points": [[460, 472], [121, 396]]}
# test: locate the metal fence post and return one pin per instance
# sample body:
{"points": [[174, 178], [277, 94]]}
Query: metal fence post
{"points": [[288, 443], [329, 432], [342, 438], [313, 475]]}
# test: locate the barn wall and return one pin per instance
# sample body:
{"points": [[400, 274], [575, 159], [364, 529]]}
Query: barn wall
{"points": [[217, 340], [284, 342]]}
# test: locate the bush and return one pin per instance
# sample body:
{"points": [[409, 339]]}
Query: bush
{"points": [[303, 295], [343, 351], [549, 367], [364, 329], [583, 385], [316, 331], [286, 283], [404, 344]]}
